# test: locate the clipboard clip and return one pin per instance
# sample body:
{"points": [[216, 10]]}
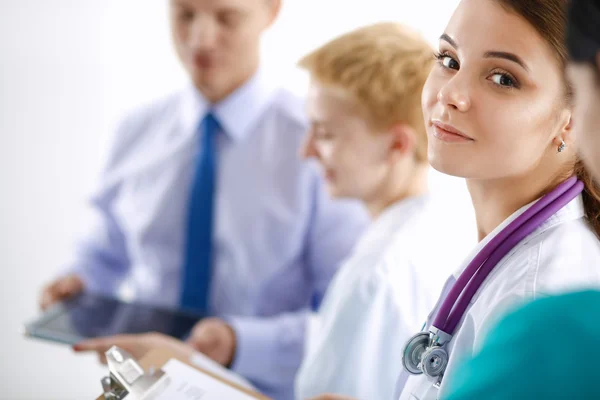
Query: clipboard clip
{"points": [[127, 380]]}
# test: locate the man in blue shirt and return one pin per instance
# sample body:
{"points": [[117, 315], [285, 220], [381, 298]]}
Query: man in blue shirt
{"points": [[204, 203]]}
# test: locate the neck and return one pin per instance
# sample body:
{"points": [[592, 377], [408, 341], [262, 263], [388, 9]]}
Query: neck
{"points": [[216, 95], [400, 186], [495, 200]]}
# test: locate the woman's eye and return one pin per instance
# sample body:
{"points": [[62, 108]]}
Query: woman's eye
{"points": [[449, 62], [503, 80], [229, 19], [324, 135], [186, 15]]}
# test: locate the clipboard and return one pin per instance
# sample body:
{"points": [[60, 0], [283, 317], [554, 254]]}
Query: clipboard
{"points": [[129, 379]]}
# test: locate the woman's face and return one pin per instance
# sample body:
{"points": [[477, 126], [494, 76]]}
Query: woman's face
{"points": [[354, 156], [493, 105], [586, 83]]}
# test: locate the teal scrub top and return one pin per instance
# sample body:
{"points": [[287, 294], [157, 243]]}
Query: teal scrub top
{"points": [[548, 349]]}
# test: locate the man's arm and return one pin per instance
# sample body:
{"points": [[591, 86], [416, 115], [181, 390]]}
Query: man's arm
{"points": [[100, 258]]}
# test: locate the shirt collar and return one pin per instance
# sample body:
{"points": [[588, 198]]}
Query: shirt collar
{"points": [[572, 211], [402, 209], [389, 220], [237, 113]]}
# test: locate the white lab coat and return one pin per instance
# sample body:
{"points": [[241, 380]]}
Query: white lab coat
{"points": [[561, 255], [379, 297]]}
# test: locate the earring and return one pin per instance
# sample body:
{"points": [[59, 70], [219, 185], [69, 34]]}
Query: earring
{"points": [[562, 147]]}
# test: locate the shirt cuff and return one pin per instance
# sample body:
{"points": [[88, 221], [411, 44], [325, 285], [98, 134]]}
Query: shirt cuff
{"points": [[269, 350], [255, 342]]}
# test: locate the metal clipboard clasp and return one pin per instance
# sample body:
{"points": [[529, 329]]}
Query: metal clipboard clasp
{"points": [[127, 380]]}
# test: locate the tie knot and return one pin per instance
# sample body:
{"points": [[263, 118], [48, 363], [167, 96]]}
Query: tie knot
{"points": [[209, 125]]}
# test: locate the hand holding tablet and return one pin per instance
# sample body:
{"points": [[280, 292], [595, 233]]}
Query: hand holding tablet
{"points": [[87, 315]]}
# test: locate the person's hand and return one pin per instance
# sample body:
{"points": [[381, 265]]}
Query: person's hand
{"points": [[216, 339], [60, 289], [136, 345], [332, 397]]}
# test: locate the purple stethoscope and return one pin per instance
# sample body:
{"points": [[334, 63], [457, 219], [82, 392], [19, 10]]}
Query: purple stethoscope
{"points": [[425, 353]]}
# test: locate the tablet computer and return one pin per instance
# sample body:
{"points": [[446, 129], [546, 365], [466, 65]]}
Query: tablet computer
{"points": [[90, 315]]}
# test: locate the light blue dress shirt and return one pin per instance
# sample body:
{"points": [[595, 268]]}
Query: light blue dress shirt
{"points": [[278, 237]]}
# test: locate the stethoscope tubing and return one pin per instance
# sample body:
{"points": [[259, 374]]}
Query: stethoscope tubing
{"points": [[453, 308]]}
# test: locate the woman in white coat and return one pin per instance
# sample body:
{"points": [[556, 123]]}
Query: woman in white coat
{"points": [[545, 337], [498, 110]]}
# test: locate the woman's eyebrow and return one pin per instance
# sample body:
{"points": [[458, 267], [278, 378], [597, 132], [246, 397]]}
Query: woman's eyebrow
{"points": [[507, 56], [490, 54], [448, 39]]}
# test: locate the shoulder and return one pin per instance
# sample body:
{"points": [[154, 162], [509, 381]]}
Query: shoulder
{"points": [[429, 249], [401, 257], [565, 258], [154, 110], [280, 132], [139, 126], [287, 111], [559, 259]]}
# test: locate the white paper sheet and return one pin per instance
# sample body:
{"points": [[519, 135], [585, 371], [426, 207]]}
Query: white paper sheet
{"points": [[187, 383], [202, 361]]}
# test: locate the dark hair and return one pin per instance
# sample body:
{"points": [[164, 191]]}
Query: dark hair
{"points": [[549, 18], [583, 35]]}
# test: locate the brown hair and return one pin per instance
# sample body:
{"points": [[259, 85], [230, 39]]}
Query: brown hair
{"points": [[549, 18], [384, 68]]}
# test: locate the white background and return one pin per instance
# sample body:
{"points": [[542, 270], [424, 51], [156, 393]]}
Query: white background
{"points": [[68, 70]]}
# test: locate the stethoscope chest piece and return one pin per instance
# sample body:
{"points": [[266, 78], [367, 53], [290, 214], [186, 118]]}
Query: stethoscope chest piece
{"points": [[413, 352], [434, 362]]}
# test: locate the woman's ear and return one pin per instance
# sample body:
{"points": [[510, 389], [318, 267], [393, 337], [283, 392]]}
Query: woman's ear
{"points": [[275, 8], [404, 141], [566, 131], [569, 126]]}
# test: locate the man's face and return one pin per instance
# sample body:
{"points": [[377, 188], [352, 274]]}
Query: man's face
{"points": [[218, 41]]}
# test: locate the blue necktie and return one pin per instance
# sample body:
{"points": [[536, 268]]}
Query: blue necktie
{"points": [[197, 269]]}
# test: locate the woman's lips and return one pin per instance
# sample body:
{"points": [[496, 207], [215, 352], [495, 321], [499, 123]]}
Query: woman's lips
{"points": [[203, 62], [448, 133]]}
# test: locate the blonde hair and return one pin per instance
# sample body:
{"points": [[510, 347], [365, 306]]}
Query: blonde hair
{"points": [[384, 67]]}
